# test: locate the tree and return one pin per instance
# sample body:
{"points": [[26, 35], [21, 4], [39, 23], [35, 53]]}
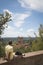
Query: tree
{"points": [[41, 37], [39, 44], [41, 30], [4, 18]]}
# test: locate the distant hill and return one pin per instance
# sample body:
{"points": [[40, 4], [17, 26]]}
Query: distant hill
{"points": [[15, 39]]}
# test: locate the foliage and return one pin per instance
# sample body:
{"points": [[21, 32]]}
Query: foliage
{"points": [[33, 45], [41, 31], [22, 49], [4, 18], [39, 44], [2, 52]]}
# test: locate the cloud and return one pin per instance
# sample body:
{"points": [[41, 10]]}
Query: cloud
{"points": [[21, 29], [32, 4], [12, 32], [16, 29], [9, 32], [30, 32], [19, 19]]}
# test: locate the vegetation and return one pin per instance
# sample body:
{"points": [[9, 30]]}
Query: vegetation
{"points": [[4, 18], [37, 44], [29, 45]]}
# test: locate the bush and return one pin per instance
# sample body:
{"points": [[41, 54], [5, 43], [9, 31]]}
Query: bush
{"points": [[2, 52]]}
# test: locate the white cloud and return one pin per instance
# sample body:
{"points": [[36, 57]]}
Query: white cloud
{"points": [[21, 29], [12, 32], [9, 32], [19, 19], [18, 23], [30, 32], [32, 4]]}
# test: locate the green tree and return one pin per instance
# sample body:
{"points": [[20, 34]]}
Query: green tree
{"points": [[39, 44], [4, 18], [41, 37], [41, 31], [35, 46]]}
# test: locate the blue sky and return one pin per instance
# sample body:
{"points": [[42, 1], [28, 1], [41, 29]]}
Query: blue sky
{"points": [[27, 15]]}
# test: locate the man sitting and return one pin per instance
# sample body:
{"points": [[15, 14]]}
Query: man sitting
{"points": [[9, 51]]}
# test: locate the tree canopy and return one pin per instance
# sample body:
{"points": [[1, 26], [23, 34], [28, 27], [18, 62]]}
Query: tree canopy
{"points": [[4, 18], [41, 30]]}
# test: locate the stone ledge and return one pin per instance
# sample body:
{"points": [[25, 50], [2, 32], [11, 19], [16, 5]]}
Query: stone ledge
{"points": [[33, 53], [31, 58]]}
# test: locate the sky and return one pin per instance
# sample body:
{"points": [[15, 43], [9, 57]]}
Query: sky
{"points": [[27, 15]]}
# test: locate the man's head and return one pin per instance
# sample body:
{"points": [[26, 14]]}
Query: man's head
{"points": [[10, 42]]}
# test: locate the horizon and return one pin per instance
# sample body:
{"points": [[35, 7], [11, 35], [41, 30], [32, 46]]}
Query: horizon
{"points": [[27, 15], [17, 37]]}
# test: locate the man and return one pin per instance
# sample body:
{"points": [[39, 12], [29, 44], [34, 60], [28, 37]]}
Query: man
{"points": [[9, 51]]}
